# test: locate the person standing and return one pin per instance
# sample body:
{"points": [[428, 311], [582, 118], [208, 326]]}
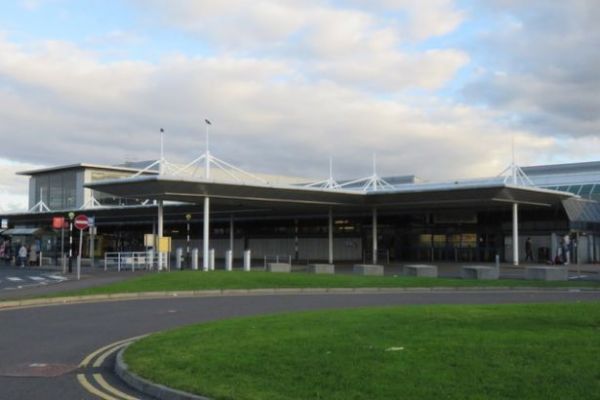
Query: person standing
{"points": [[528, 250], [32, 255], [567, 249], [22, 255]]}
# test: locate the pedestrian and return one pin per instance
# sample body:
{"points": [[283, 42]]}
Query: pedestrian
{"points": [[528, 250], [7, 253], [32, 255], [567, 249], [22, 255]]}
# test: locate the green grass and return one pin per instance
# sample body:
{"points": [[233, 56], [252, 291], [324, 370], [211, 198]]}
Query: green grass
{"points": [[549, 351], [195, 280]]}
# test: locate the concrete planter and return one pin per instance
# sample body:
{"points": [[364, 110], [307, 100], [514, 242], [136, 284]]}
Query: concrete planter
{"points": [[368, 269], [480, 272], [321, 268], [429, 271], [547, 273], [279, 267]]}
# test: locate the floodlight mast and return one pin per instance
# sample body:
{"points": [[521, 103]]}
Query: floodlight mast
{"points": [[161, 167], [207, 158], [206, 230], [162, 163]]}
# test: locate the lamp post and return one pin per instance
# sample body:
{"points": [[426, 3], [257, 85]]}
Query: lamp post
{"points": [[188, 218], [71, 216]]}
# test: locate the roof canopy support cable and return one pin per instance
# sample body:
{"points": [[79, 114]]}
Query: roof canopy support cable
{"points": [[329, 183], [40, 206], [208, 160], [372, 183]]}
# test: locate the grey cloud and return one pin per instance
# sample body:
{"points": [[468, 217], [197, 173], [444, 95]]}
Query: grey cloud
{"points": [[542, 67]]}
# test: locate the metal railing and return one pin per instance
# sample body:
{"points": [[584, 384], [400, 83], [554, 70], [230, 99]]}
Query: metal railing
{"points": [[278, 259], [383, 255], [135, 260]]}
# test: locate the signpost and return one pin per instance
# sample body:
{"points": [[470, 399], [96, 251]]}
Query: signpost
{"points": [[164, 246], [81, 223], [71, 216], [59, 223], [92, 224]]}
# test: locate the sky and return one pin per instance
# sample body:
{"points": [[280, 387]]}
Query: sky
{"points": [[435, 88]]}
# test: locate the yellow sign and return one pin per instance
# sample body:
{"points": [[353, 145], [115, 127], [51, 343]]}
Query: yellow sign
{"points": [[164, 244], [149, 240]]}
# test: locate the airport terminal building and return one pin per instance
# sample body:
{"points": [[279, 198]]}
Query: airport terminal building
{"points": [[380, 219]]}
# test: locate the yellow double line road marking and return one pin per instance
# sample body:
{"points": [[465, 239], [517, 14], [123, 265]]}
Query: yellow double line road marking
{"points": [[102, 388], [91, 356]]}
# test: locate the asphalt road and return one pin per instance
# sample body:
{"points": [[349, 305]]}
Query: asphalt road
{"points": [[22, 278], [59, 337]]}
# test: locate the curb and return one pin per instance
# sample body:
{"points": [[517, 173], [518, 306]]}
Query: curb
{"points": [[147, 387], [53, 301]]}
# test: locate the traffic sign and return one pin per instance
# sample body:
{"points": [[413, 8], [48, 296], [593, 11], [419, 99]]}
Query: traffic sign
{"points": [[81, 222], [58, 222]]}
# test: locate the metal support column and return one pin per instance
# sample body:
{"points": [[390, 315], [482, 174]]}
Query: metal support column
{"points": [[205, 237], [231, 234], [160, 234], [374, 235], [330, 234], [515, 234]]}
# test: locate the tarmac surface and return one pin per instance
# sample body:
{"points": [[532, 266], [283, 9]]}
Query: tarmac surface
{"points": [[41, 347]]}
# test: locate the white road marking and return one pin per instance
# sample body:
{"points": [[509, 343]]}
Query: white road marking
{"points": [[36, 278], [57, 277], [14, 279]]}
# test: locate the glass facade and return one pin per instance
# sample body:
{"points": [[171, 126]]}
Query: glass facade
{"points": [[590, 191], [58, 189], [108, 199]]}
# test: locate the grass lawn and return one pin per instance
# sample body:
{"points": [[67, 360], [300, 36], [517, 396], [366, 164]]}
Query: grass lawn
{"points": [[547, 351], [196, 280]]}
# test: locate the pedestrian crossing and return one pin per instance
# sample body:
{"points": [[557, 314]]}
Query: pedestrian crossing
{"points": [[31, 279]]}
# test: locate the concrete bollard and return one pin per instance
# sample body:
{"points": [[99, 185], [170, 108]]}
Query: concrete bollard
{"points": [[228, 260], [178, 257], [247, 260], [211, 259], [195, 259], [149, 260]]}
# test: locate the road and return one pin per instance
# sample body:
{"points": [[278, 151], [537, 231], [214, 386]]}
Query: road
{"points": [[22, 278], [54, 340]]}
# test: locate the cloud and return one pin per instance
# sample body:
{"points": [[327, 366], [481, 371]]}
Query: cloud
{"points": [[288, 83], [64, 105], [355, 43], [543, 70], [13, 188]]}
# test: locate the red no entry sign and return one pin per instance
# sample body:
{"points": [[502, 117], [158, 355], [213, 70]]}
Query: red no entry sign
{"points": [[81, 222]]}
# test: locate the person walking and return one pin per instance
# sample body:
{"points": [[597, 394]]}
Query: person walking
{"points": [[22, 255], [528, 250]]}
